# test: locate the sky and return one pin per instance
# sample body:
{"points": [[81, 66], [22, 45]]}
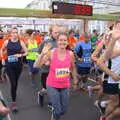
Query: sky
{"points": [[14, 3]]}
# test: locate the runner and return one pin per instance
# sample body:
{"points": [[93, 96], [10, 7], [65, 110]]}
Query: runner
{"points": [[15, 50], [101, 79], [112, 52], [83, 61], [94, 38], [32, 56], [72, 40], [58, 80], [54, 31]]}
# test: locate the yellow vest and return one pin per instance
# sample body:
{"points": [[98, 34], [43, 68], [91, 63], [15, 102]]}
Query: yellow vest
{"points": [[32, 55]]}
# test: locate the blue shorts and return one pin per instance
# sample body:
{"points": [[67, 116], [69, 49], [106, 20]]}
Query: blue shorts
{"points": [[110, 88], [83, 71], [31, 69]]}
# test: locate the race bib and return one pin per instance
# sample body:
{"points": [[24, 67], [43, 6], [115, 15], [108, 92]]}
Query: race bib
{"points": [[12, 58], [87, 59], [35, 50], [62, 72]]}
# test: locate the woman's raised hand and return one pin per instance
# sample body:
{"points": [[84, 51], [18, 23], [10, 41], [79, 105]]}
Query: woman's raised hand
{"points": [[46, 48]]}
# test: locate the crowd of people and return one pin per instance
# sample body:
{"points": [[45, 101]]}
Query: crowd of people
{"points": [[64, 58]]}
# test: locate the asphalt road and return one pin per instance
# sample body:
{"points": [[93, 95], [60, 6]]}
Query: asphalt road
{"points": [[81, 107]]}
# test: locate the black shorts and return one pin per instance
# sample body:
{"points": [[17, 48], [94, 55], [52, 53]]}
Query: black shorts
{"points": [[99, 72], [83, 71], [24, 60], [110, 88]]}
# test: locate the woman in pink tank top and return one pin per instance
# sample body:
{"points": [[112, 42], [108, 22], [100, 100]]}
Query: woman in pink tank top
{"points": [[61, 63]]}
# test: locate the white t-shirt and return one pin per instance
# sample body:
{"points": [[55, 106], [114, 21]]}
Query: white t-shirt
{"points": [[115, 67]]}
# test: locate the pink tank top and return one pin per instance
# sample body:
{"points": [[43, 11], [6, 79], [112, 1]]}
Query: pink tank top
{"points": [[59, 74]]}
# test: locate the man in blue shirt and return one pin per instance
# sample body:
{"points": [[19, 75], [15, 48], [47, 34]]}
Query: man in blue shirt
{"points": [[83, 51]]}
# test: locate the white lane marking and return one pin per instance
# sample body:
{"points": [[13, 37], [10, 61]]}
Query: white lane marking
{"points": [[8, 116]]}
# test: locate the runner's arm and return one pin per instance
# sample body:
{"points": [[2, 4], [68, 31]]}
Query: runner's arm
{"points": [[42, 59], [25, 50], [95, 54], [73, 69]]}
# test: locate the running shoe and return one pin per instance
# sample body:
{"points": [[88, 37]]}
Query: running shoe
{"points": [[40, 98], [51, 109], [103, 118], [14, 107], [89, 90], [43, 91], [98, 105]]}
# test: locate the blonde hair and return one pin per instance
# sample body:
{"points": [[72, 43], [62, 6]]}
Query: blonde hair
{"points": [[52, 27]]}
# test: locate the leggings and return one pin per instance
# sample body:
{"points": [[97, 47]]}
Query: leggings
{"points": [[13, 71]]}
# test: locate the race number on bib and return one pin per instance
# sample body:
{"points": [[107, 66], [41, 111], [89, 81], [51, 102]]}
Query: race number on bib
{"points": [[12, 58], [62, 72], [35, 50], [87, 59]]}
